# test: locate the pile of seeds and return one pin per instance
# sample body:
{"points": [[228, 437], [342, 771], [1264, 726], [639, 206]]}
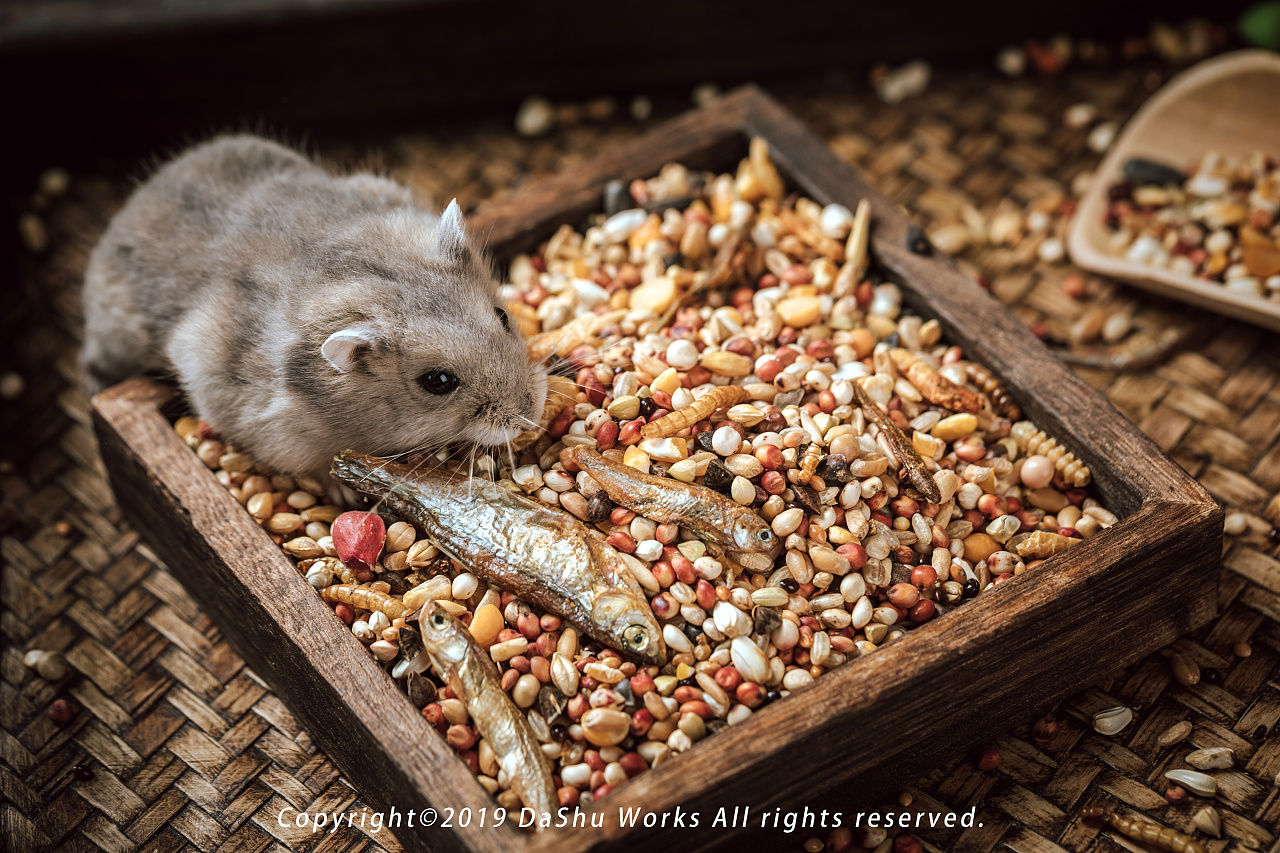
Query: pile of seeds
{"points": [[1221, 223], [896, 473]]}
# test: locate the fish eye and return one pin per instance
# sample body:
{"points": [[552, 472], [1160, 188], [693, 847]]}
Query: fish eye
{"points": [[439, 620], [635, 637], [438, 382], [502, 318], [765, 536]]}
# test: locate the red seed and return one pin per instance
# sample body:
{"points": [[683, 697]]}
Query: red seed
{"points": [[641, 721], [697, 706], [664, 606], [641, 683], [990, 758], [529, 625], [560, 423], [632, 763], [473, 760], [773, 482], [769, 369], [840, 840], [434, 716], [923, 611], [622, 541], [924, 577], [507, 634], [602, 791], [1175, 795], [620, 515], [769, 456], [1045, 729], [750, 694], [903, 595], [821, 348], [509, 679], [61, 712], [664, 574], [345, 613], [358, 538], [797, 274], [728, 677], [578, 705], [685, 693], [741, 346], [907, 844], [698, 375], [629, 433], [705, 594], [854, 553], [607, 435], [567, 796]]}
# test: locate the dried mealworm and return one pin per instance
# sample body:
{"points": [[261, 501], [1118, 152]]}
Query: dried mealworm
{"points": [[809, 462], [575, 333], [1043, 544], [906, 454], [1032, 440], [1161, 837], [1001, 403], [365, 599], [700, 409], [561, 392], [935, 387]]}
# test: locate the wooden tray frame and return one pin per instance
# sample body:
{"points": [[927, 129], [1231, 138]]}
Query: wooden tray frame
{"points": [[860, 729]]}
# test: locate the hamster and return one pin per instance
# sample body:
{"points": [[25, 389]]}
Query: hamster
{"points": [[303, 313]]}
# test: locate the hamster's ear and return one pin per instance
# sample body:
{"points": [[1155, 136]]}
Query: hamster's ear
{"points": [[344, 349], [453, 238]]}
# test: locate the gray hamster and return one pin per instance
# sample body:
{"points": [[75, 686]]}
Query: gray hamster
{"points": [[303, 312]]}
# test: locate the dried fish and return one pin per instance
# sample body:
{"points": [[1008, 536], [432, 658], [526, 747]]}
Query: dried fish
{"points": [[700, 409], [906, 454], [1140, 351], [474, 679], [935, 387], [364, 599], [1145, 831], [1001, 403], [546, 557], [706, 513]]}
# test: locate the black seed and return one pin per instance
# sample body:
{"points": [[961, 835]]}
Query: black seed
{"points": [[917, 242], [704, 441], [559, 731], [772, 696], [717, 477], [971, 588], [1210, 675], [1273, 535], [714, 726], [765, 619], [790, 585], [617, 197], [1149, 172], [807, 498], [599, 507], [789, 398], [688, 682], [1260, 732], [647, 406], [692, 631], [82, 772], [1122, 191], [894, 339], [834, 469]]}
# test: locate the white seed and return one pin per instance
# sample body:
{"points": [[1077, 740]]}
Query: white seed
{"points": [[464, 586], [1207, 821], [51, 666], [726, 441], [749, 660], [731, 621], [797, 679], [1212, 758], [742, 491], [788, 521], [1112, 721], [768, 596], [649, 549], [622, 225], [676, 639], [682, 355], [1198, 783]]}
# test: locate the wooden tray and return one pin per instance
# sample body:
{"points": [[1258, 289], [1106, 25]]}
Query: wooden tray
{"points": [[880, 721], [1230, 104]]}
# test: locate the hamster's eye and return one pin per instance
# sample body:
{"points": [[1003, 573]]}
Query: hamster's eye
{"points": [[439, 382], [502, 318]]}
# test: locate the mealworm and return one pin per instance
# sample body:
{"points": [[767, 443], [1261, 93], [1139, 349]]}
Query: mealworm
{"points": [[1145, 831], [561, 392], [935, 387], [911, 462], [700, 409], [365, 599], [1032, 440], [1001, 403], [809, 462], [575, 333]]}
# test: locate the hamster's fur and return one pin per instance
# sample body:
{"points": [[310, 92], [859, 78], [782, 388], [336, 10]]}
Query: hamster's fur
{"points": [[304, 313]]}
